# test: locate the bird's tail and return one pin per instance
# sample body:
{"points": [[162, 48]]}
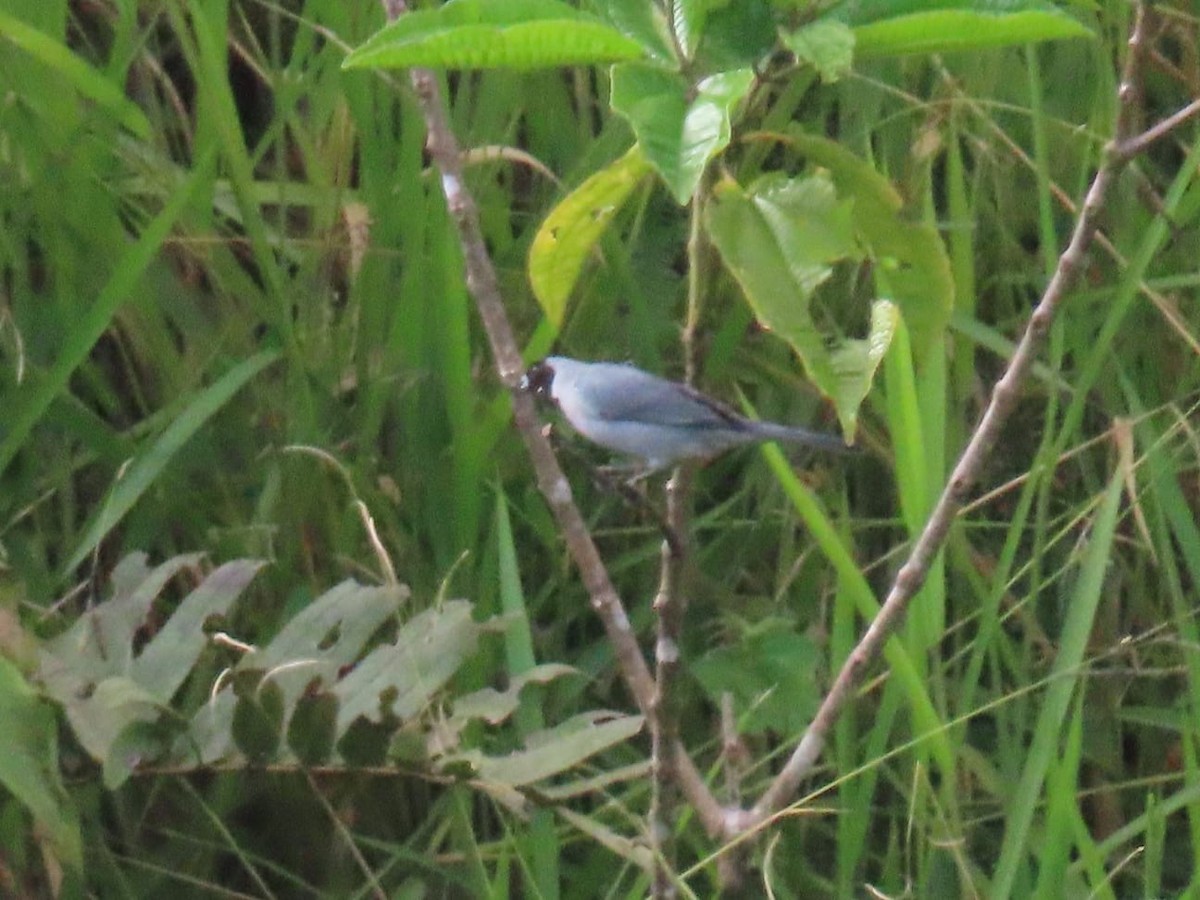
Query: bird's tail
{"points": [[771, 431]]}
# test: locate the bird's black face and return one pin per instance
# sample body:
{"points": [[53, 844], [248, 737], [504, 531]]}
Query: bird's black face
{"points": [[538, 379]]}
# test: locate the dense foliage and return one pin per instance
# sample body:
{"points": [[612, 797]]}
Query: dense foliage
{"points": [[282, 611]]}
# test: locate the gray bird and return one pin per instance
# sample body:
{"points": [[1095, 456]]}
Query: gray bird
{"points": [[656, 421]]}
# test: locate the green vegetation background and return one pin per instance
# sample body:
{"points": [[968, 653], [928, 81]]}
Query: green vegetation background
{"points": [[244, 253]]}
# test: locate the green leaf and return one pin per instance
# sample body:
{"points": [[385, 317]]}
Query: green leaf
{"points": [[690, 19], [167, 660], [312, 651], [826, 45], [642, 21], [145, 469], [258, 716], [912, 265], [103, 719], [82, 77], [574, 226], [29, 764], [680, 128], [312, 729], [736, 35], [557, 749], [93, 672], [366, 743], [495, 706], [400, 679], [780, 240], [770, 674], [483, 34], [901, 27], [855, 361]]}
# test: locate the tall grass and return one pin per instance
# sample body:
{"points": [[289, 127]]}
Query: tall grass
{"points": [[218, 247]]}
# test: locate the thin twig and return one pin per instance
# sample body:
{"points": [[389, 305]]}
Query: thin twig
{"points": [[671, 601], [1127, 150], [1004, 399], [482, 283], [670, 604]]}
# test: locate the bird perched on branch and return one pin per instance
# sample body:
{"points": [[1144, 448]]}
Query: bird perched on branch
{"points": [[656, 421]]}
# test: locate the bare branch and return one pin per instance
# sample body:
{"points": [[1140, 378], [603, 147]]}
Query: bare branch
{"points": [[1004, 399], [671, 605], [1138, 144]]}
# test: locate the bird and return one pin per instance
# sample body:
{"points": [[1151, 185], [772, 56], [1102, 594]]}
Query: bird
{"points": [[657, 422]]}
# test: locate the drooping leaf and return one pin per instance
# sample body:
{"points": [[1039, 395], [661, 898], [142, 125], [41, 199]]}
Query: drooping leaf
{"points": [[855, 361], [485, 34], [679, 128], [574, 226], [780, 240], [911, 259]]}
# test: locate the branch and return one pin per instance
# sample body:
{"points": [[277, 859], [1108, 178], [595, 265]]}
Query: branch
{"points": [[485, 290], [1004, 399], [670, 603]]}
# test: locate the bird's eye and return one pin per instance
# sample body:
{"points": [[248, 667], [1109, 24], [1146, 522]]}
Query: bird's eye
{"points": [[538, 378]]}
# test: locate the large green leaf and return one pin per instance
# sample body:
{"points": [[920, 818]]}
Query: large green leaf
{"points": [[911, 261], [680, 127], [900, 27], [483, 34], [311, 652], [574, 226], [780, 240], [642, 21], [739, 34]]}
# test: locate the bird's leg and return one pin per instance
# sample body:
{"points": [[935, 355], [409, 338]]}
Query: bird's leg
{"points": [[633, 492]]}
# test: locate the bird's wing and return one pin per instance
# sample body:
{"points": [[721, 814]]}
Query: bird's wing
{"points": [[631, 395]]}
